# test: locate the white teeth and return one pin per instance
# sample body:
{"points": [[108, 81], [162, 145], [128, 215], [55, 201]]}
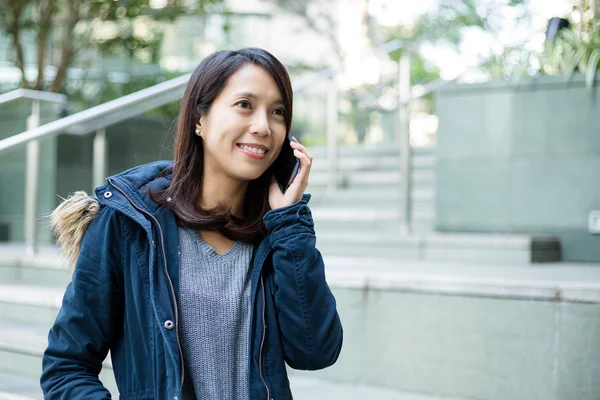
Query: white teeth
{"points": [[253, 149]]}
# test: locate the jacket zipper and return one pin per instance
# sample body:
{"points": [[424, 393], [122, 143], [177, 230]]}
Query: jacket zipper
{"points": [[162, 244], [262, 342]]}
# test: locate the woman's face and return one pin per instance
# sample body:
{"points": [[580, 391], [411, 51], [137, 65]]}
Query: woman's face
{"points": [[244, 128]]}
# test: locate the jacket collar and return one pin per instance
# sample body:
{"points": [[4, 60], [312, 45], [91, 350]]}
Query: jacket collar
{"points": [[136, 184]]}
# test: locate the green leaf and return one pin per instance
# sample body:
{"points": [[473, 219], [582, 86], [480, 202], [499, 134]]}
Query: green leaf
{"points": [[590, 76], [570, 37], [574, 61]]}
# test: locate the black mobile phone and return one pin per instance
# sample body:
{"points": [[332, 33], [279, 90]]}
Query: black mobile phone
{"points": [[286, 167]]}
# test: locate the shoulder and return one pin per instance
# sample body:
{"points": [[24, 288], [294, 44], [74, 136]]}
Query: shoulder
{"points": [[82, 218]]}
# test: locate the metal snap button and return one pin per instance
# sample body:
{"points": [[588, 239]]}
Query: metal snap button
{"points": [[169, 324], [107, 195]]}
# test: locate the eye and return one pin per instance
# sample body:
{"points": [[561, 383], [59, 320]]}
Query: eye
{"points": [[243, 104], [279, 112]]}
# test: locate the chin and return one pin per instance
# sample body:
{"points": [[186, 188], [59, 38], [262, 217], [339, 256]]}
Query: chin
{"points": [[249, 176]]}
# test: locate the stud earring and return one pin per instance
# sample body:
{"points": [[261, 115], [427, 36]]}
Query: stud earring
{"points": [[197, 131]]}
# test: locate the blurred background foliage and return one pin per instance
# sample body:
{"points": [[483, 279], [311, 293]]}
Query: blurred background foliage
{"points": [[127, 36], [63, 30]]}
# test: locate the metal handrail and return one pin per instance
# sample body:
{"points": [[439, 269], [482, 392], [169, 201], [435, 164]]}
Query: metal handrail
{"points": [[32, 95], [99, 117], [125, 107], [328, 73], [103, 115]]}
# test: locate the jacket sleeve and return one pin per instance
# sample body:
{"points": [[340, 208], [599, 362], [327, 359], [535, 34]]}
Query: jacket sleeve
{"points": [[308, 318], [80, 338]]}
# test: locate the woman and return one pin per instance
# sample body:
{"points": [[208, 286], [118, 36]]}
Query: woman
{"points": [[200, 276]]}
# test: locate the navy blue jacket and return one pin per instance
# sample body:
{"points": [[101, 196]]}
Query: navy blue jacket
{"points": [[124, 294]]}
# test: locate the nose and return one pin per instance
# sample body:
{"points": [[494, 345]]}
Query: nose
{"points": [[260, 125]]}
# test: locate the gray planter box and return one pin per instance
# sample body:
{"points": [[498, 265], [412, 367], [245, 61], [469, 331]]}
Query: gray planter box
{"points": [[521, 158]]}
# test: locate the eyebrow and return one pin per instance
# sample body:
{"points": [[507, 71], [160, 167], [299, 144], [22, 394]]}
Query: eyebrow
{"points": [[253, 96]]}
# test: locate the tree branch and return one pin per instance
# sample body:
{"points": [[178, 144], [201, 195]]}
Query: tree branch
{"points": [[300, 9], [45, 9], [68, 49], [14, 30], [372, 33]]}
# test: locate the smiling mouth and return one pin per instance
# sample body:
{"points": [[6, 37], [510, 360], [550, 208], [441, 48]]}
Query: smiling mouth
{"points": [[255, 150]]}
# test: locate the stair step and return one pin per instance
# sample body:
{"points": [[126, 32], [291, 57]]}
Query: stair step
{"points": [[24, 303], [359, 219], [48, 274], [423, 161], [364, 214], [374, 162], [47, 268], [15, 387], [305, 387], [373, 178], [492, 249], [380, 150], [376, 195], [22, 345]]}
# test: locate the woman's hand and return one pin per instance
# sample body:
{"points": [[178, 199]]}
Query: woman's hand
{"points": [[296, 190]]}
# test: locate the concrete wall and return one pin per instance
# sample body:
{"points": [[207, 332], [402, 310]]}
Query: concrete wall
{"points": [[468, 347], [520, 158]]}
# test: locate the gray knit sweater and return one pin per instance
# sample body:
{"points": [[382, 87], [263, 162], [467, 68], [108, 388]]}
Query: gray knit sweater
{"points": [[215, 318]]}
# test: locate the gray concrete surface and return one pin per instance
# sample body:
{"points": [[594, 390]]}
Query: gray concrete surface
{"points": [[17, 388]]}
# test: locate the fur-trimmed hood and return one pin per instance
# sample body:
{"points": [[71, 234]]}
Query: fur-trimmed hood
{"points": [[70, 220]]}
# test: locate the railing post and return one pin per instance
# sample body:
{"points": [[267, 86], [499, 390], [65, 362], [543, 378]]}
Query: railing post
{"points": [[100, 151], [404, 77], [332, 137], [32, 182]]}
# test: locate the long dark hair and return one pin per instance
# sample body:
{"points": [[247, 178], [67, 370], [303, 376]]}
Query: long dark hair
{"points": [[182, 196]]}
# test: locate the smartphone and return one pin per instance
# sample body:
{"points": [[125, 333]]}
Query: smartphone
{"points": [[286, 167]]}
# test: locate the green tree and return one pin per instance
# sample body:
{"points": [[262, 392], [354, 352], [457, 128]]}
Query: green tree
{"points": [[447, 23], [317, 18], [575, 49], [70, 26]]}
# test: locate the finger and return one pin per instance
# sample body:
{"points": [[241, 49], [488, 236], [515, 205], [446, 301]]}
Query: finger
{"points": [[296, 145], [304, 159], [305, 164]]}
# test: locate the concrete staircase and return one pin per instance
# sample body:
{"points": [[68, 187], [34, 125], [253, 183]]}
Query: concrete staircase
{"points": [[370, 189], [362, 218], [424, 330], [369, 263]]}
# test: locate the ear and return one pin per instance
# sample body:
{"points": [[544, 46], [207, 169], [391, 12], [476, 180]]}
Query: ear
{"points": [[203, 120], [201, 125]]}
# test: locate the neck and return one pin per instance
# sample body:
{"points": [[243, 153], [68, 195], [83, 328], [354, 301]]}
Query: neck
{"points": [[218, 189]]}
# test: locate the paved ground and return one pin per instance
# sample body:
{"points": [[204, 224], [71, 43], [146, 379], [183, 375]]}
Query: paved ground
{"points": [[313, 389], [15, 388], [563, 280]]}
